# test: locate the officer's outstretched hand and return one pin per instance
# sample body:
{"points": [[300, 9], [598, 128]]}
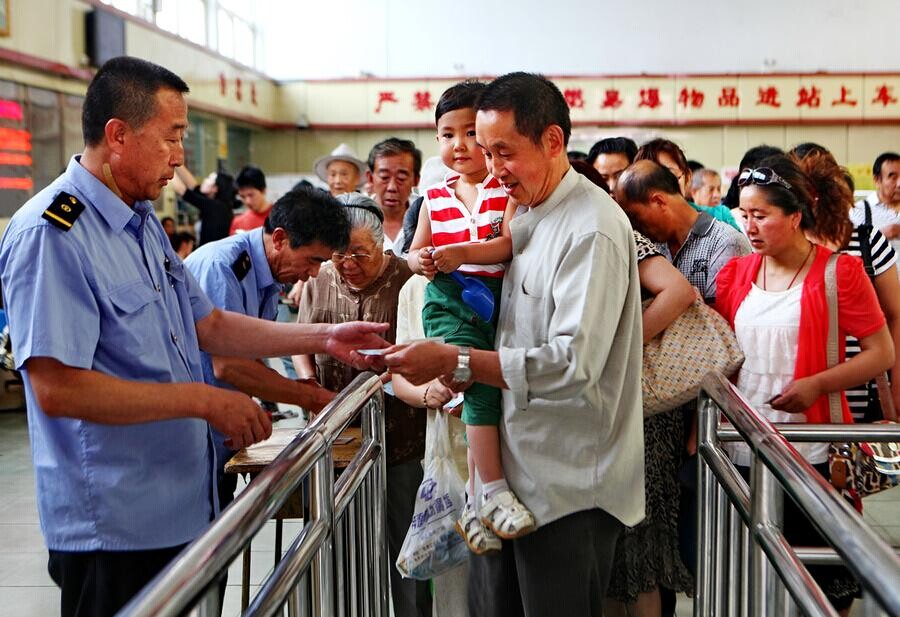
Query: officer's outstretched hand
{"points": [[238, 417], [344, 340]]}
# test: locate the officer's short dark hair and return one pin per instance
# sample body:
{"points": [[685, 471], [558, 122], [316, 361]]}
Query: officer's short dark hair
{"points": [[251, 177], [309, 215], [124, 88], [393, 146], [535, 101], [884, 157], [613, 145], [463, 95]]}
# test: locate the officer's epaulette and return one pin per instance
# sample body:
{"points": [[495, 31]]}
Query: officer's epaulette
{"points": [[241, 265], [64, 211]]}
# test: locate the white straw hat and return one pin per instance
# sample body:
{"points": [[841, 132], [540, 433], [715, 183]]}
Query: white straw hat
{"points": [[342, 153]]}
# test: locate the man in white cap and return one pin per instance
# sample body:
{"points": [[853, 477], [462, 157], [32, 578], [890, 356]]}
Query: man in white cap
{"points": [[342, 170]]}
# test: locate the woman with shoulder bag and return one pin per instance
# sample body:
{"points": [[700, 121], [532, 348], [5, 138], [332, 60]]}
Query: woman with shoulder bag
{"points": [[775, 299], [834, 229]]}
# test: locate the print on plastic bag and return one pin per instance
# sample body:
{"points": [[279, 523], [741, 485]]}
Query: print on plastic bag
{"points": [[432, 545]]}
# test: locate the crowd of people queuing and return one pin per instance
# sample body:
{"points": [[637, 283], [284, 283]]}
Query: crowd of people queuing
{"points": [[577, 504]]}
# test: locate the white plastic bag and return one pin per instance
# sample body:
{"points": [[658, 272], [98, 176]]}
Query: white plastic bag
{"points": [[432, 545]]}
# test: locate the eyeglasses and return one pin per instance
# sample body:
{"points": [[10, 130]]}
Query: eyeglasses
{"points": [[763, 175], [339, 258]]}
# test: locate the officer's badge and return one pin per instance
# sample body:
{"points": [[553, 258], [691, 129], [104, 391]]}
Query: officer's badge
{"points": [[64, 210], [241, 265]]}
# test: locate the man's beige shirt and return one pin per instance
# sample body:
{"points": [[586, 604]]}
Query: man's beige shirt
{"points": [[570, 348]]}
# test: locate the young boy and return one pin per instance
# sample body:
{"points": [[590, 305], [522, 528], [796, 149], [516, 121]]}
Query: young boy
{"points": [[464, 225]]}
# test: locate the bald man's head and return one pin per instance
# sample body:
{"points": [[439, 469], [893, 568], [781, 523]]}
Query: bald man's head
{"points": [[642, 179]]}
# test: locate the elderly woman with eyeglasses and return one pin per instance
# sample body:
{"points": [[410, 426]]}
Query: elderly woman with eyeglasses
{"points": [[363, 283], [775, 300]]}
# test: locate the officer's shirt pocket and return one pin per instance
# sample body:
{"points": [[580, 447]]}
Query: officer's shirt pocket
{"points": [[131, 318], [132, 297]]}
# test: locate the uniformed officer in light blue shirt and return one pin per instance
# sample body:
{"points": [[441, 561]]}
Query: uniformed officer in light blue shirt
{"points": [[106, 326], [245, 272]]}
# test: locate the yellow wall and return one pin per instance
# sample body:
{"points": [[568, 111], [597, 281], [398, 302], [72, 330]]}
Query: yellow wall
{"points": [[54, 30], [285, 151]]}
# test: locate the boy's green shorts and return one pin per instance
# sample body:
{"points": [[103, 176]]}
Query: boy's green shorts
{"points": [[445, 314]]}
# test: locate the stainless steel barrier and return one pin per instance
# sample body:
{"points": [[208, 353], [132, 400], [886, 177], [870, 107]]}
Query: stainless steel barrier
{"points": [[745, 566], [336, 565]]}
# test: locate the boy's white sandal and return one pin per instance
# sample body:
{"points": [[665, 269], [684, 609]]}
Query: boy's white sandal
{"points": [[506, 516], [479, 538]]}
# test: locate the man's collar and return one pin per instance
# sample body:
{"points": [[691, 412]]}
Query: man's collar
{"points": [[114, 211], [703, 225], [257, 248], [565, 186]]}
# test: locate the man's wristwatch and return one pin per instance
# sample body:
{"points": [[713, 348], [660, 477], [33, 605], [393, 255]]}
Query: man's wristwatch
{"points": [[462, 373]]}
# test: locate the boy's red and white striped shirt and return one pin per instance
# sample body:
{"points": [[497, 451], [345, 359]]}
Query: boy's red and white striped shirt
{"points": [[452, 223]]}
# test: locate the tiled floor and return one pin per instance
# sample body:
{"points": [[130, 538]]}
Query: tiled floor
{"points": [[27, 591]]}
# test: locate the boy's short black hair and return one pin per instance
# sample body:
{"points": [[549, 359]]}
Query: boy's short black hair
{"points": [[463, 95], [252, 177], [310, 215]]}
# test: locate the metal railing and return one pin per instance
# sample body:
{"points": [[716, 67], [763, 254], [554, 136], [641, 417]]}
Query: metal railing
{"points": [[745, 564], [336, 565]]}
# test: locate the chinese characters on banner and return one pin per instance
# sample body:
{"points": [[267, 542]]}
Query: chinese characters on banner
{"points": [[237, 89], [638, 99]]}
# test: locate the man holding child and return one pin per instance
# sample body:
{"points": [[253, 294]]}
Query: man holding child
{"points": [[567, 359]]}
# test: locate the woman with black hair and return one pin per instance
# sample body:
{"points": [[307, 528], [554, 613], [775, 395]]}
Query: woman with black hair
{"points": [[776, 302], [833, 228]]}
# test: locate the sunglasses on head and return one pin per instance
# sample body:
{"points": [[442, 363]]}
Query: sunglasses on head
{"points": [[762, 175]]}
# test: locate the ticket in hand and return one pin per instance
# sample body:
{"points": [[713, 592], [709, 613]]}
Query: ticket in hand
{"points": [[381, 352], [456, 401]]}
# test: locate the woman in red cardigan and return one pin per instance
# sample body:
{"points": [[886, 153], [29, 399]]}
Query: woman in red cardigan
{"points": [[775, 301]]}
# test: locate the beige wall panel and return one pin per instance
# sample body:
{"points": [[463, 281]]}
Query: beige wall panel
{"points": [[274, 151], [291, 102], [49, 29], [738, 139], [202, 72], [700, 143], [285, 151], [832, 137], [865, 143], [333, 103]]}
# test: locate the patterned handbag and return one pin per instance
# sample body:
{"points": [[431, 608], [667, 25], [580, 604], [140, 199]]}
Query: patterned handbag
{"points": [[677, 360], [857, 469]]}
